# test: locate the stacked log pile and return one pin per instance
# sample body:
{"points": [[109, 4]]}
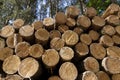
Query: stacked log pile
{"points": [[67, 47]]}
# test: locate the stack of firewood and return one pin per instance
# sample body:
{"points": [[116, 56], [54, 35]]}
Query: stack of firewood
{"points": [[67, 47]]}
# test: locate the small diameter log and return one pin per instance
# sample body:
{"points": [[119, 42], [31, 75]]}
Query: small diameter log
{"points": [[57, 43], [63, 28], [60, 18], [28, 67], [42, 36], [82, 49], [11, 64], [68, 71], [7, 31], [106, 40], [109, 30], [55, 33], [5, 52], [116, 39], [113, 52], [83, 21], [49, 23], [117, 28], [36, 50], [112, 9], [91, 64], [54, 78], [70, 22], [26, 32], [116, 77], [90, 12], [94, 35], [18, 23], [2, 43], [85, 38], [102, 75], [22, 49], [72, 11], [98, 22], [70, 37], [13, 40], [50, 58], [97, 51], [112, 65], [89, 75], [78, 30], [113, 20], [37, 25], [66, 53], [13, 77]]}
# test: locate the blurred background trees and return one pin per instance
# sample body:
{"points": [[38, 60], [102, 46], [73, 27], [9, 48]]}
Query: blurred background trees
{"points": [[31, 10]]}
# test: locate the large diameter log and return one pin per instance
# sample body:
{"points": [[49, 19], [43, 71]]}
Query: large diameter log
{"points": [[85, 38], [42, 36], [83, 21], [13, 40], [108, 29], [102, 75], [82, 49], [90, 12], [2, 43], [112, 65], [113, 52], [7, 31], [49, 23], [72, 11], [91, 64], [60, 18], [55, 33], [18, 23], [57, 43], [63, 28], [70, 22], [116, 39], [106, 40], [22, 49], [11, 64], [26, 32], [78, 30], [113, 20], [28, 67], [50, 58], [66, 53], [70, 37], [89, 75], [116, 77], [13, 77], [36, 50], [98, 22], [112, 9], [68, 71], [94, 35], [97, 51], [54, 78], [37, 25], [5, 52]]}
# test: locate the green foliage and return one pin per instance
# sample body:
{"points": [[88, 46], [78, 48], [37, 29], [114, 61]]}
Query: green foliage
{"points": [[99, 5]]}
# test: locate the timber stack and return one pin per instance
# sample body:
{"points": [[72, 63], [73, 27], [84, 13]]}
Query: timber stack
{"points": [[69, 46]]}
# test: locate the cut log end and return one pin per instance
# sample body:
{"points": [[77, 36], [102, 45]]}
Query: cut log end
{"points": [[66, 53], [94, 35], [115, 76], [90, 12], [54, 78], [13, 77], [117, 28], [18, 23], [91, 64], [54, 34], [8, 66], [2, 43], [50, 58], [37, 25], [68, 71], [70, 22], [63, 28], [28, 67], [70, 37], [85, 38], [102, 75], [78, 30], [116, 39]]}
